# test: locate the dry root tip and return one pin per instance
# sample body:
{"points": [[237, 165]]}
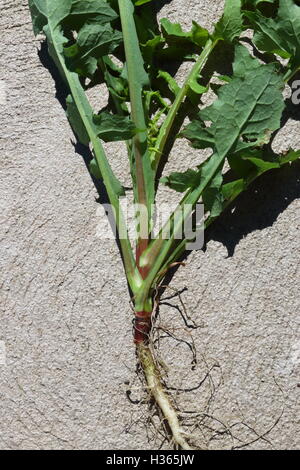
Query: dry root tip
{"points": [[161, 398]]}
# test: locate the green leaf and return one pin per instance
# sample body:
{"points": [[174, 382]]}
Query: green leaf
{"points": [[152, 48], [240, 166], [259, 161], [262, 165], [94, 169], [41, 10], [245, 63], [200, 136], [289, 157], [146, 23], [141, 2], [252, 165], [116, 82], [247, 107], [141, 78], [174, 34], [113, 128], [172, 84], [93, 42], [200, 35], [233, 189], [98, 11], [93, 7], [230, 25], [96, 172], [181, 181], [212, 196], [173, 31], [38, 10], [280, 35], [139, 81], [76, 121], [52, 14], [197, 88], [76, 11]]}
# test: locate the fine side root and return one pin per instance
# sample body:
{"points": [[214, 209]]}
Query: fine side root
{"points": [[161, 398]]}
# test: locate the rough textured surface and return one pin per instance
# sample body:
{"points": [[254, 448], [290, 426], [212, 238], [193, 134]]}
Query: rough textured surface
{"points": [[64, 296]]}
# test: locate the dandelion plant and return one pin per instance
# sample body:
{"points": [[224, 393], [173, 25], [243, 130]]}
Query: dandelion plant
{"points": [[121, 44]]}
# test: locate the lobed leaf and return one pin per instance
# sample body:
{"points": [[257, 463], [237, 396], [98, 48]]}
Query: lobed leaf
{"points": [[248, 106], [181, 181], [113, 128], [171, 82], [76, 12], [230, 25], [93, 42], [279, 35], [247, 109], [174, 34]]}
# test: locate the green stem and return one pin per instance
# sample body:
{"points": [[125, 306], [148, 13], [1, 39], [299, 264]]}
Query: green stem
{"points": [[160, 248], [129, 263], [290, 74], [132, 50], [120, 110], [85, 111], [166, 128], [138, 80]]}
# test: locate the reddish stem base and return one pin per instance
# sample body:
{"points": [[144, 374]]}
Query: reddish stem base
{"points": [[142, 327]]}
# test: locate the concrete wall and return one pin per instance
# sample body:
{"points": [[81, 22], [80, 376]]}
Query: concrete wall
{"points": [[65, 315]]}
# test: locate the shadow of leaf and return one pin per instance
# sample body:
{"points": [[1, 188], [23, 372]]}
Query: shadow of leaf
{"points": [[257, 208]]}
